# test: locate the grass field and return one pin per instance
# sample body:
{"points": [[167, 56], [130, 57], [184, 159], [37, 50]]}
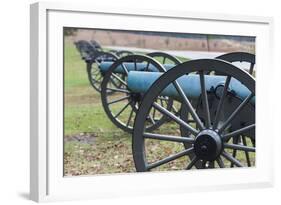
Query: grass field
{"points": [[92, 143]]}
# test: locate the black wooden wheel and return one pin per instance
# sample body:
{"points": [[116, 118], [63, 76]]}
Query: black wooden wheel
{"points": [[241, 57], [216, 124], [164, 58], [121, 105], [247, 62], [94, 75]]}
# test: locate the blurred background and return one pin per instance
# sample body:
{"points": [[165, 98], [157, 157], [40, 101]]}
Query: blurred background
{"points": [[150, 41]]}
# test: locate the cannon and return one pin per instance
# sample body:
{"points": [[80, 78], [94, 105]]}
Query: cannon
{"points": [[85, 49], [215, 126], [140, 82], [119, 102], [96, 45], [93, 55]]}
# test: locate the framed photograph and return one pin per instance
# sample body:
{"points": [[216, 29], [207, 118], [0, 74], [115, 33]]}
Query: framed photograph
{"points": [[132, 102]]}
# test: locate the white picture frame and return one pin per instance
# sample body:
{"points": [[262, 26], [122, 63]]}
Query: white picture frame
{"points": [[46, 155]]}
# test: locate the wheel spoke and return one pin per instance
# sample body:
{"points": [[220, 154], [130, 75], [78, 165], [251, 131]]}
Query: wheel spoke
{"points": [[175, 110], [220, 105], [118, 78], [124, 68], [161, 102], [97, 62], [147, 66], [240, 147], [130, 116], [112, 82], [246, 152], [205, 99], [235, 141], [97, 78], [164, 60], [95, 71], [168, 138], [151, 119], [163, 98], [227, 136], [118, 90], [251, 68], [220, 162], [118, 100], [235, 113], [122, 109], [175, 118], [189, 106], [153, 112], [192, 162], [231, 159], [170, 158], [164, 102]]}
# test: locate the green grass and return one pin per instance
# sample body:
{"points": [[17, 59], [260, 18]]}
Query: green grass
{"points": [[83, 111], [109, 149], [74, 68], [83, 114]]}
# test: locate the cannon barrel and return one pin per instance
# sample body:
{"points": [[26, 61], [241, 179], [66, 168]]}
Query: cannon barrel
{"points": [[140, 82], [130, 66]]}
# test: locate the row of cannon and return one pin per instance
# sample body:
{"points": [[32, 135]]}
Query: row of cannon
{"points": [[205, 105]]}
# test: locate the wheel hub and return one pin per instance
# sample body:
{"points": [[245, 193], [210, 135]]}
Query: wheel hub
{"points": [[208, 145]]}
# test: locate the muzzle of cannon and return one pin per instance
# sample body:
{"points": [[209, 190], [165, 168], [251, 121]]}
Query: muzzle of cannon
{"points": [[140, 82]]}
